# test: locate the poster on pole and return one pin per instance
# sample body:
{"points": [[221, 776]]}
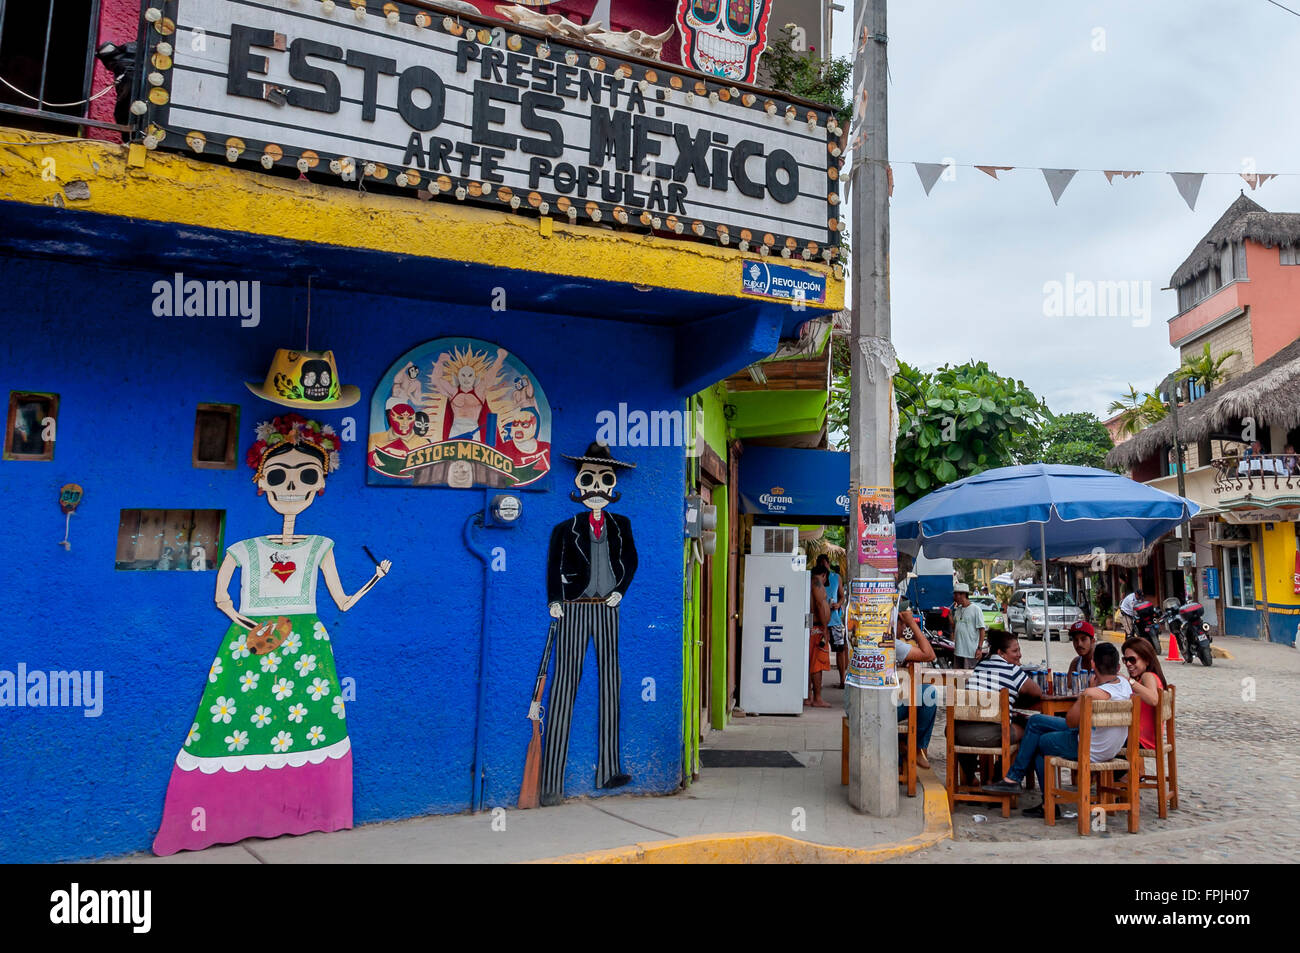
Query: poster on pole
{"points": [[870, 625], [877, 545]]}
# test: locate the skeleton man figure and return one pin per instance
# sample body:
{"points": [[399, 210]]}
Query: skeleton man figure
{"points": [[589, 567]]}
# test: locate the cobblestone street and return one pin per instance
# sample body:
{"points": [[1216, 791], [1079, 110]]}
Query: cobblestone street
{"points": [[1237, 725]]}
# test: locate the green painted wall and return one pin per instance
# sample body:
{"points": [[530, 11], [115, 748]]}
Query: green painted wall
{"points": [[718, 660], [768, 413]]}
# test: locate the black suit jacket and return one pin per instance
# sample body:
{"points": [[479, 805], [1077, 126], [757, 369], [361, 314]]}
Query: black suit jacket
{"points": [[568, 563]]}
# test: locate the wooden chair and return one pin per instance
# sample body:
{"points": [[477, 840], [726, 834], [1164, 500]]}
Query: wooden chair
{"points": [[1098, 714], [907, 684], [907, 773], [965, 704], [1165, 779]]}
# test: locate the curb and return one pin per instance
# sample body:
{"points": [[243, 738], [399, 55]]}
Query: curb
{"points": [[1110, 635], [757, 847]]}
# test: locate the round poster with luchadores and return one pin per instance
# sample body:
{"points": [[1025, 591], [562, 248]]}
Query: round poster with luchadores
{"points": [[459, 412]]}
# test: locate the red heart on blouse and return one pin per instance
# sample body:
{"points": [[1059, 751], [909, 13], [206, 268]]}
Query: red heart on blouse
{"points": [[283, 570]]}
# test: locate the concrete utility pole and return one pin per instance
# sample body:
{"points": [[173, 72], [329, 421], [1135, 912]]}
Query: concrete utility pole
{"points": [[1174, 390], [873, 718]]}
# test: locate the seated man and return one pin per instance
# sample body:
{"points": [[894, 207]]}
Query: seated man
{"points": [[905, 652], [1001, 669], [1084, 639], [1047, 735]]}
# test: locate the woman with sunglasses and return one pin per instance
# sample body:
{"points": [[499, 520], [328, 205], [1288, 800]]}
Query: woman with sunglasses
{"points": [[1148, 681], [269, 753]]}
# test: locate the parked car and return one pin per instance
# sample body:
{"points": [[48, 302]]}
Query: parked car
{"points": [[1025, 613], [992, 611]]}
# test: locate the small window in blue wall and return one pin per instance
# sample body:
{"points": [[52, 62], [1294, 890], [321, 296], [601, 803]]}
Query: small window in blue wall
{"points": [[30, 426], [216, 435], [170, 540]]}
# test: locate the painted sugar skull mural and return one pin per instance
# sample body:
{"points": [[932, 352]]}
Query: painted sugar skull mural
{"points": [[724, 38], [272, 699], [460, 413]]}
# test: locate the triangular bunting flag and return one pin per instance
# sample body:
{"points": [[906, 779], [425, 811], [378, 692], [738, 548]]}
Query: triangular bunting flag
{"points": [[1189, 186], [1111, 173], [1057, 180], [929, 173], [993, 170], [1256, 179]]}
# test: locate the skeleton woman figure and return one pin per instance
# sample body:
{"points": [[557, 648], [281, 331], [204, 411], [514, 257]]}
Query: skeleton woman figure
{"points": [[268, 752]]}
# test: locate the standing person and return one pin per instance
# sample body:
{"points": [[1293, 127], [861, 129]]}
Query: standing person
{"points": [[835, 593], [589, 566], [1128, 610], [819, 653], [269, 752], [1148, 681], [1049, 735], [968, 627]]}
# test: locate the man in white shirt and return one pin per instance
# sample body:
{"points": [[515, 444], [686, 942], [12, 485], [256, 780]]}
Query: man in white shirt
{"points": [[1047, 735], [968, 627], [1128, 611]]}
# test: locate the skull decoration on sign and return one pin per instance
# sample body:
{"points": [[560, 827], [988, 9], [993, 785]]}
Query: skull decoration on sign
{"points": [[724, 37], [315, 379]]}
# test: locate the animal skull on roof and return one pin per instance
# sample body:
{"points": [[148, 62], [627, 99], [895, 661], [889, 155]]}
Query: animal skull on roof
{"points": [[634, 42], [553, 23]]}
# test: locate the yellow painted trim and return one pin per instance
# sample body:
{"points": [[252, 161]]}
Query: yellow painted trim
{"points": [[755, 847], [175, 189]]}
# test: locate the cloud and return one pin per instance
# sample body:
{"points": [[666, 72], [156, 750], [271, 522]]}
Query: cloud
{"points": [[1021, 82]]}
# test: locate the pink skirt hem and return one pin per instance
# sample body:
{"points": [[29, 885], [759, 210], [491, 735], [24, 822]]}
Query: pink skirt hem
{"points": [[229, 806]]}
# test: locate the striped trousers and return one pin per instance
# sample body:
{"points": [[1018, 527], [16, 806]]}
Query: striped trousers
{"points": [[582, 621]]}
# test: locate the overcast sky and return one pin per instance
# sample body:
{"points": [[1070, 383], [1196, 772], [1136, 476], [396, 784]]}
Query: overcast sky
{"points": [[1181, 85]]}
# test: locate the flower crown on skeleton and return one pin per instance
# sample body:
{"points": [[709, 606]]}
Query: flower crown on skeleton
{"points": [[297, 430]]}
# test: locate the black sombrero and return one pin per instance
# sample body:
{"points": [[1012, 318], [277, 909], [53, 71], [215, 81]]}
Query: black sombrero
{"points": [[599, 453]]}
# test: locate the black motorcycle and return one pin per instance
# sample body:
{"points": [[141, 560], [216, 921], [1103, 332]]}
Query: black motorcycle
{"points": [[937, 625], [1187, 624], [1147, 625]]}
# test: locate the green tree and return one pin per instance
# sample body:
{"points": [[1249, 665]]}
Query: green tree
{"points": [[965, 570], [1137, 411], [1080, 439], [955, 422], [1204, 368], [807, 74]]}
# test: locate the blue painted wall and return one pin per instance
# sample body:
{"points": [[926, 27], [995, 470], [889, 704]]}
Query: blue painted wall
{"points": [[1249, 623], [72, 786]]}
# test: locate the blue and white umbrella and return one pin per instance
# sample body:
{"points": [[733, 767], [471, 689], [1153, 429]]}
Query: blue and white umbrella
{"points": [[1037, 508]]}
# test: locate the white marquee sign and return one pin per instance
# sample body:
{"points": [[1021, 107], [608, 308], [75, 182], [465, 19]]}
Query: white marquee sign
{"points": [[398, 96]]}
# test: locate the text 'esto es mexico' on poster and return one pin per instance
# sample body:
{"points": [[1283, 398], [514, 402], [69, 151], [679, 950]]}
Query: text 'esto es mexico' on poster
{"points": [[870, 624], [459, 412]]}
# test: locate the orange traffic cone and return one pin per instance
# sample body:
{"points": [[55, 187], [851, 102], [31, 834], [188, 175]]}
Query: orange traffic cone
{"points": [[1173, 649]]}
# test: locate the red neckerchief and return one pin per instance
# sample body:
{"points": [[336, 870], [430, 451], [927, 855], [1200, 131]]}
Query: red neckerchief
{"points": [[597, 523]]}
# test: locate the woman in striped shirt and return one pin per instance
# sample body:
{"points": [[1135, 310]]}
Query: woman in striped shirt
{"points": [[1000, 669]]}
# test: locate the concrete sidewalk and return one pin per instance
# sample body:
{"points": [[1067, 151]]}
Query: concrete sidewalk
{"points": [[730, 814]]}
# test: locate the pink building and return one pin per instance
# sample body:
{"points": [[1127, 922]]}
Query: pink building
{"points": [[1238, 290]]}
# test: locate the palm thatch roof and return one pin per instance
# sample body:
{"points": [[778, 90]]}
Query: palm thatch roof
{"points": [[819, 545], [1270, 393], [1123, 560], [1243, 219]]}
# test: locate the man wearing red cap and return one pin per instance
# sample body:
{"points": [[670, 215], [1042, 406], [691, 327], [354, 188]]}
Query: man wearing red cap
{"points": [[1084, 639]]}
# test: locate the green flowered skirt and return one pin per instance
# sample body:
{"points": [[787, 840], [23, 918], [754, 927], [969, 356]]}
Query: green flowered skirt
{"points": [[285, 702]]}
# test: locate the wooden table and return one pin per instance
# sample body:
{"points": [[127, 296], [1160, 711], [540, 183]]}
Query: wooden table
{"points": [[1056, 704]]}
